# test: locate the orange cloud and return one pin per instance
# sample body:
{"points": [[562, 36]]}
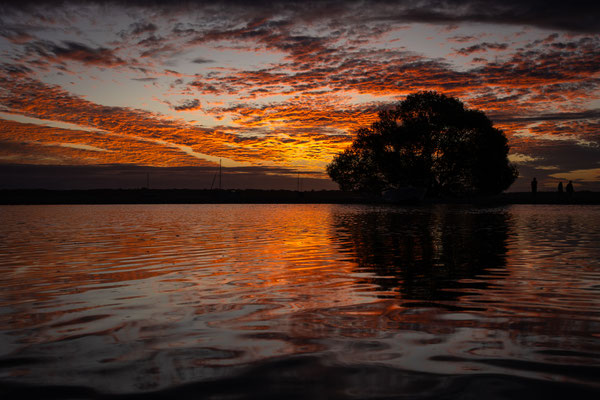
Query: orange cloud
{"points": [[38, 144], [34, 99]]}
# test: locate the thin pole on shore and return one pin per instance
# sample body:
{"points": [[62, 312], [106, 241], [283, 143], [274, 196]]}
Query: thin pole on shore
{"points": [[220, 175]]}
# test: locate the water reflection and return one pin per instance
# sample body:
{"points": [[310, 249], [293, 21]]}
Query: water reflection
{"points": [[427, 254], [382, 300]]}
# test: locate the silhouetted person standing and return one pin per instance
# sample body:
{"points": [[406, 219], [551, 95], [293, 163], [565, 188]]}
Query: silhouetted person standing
{"points": [[570, 188], [534, 186], [560, 187]]}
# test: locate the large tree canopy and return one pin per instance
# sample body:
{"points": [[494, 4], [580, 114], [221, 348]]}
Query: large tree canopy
{"points": [[429, 140]]}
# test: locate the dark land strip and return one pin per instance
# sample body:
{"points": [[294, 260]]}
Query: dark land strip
{"points": [[191, 196]]}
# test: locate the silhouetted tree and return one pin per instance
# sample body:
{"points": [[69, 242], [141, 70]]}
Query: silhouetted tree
{"points": [[429, 140]]}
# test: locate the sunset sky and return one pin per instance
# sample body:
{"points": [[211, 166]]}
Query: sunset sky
{"points": [[97, 94]]}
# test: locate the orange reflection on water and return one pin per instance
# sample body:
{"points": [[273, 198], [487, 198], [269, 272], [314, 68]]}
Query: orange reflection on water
{"points": [[183, 290], [267, 257]]}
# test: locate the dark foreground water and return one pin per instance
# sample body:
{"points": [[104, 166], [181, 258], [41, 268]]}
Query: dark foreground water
{"points": [[299, 301]]}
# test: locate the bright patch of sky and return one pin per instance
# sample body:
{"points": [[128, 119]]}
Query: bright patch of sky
{"points": [[37, 121]]}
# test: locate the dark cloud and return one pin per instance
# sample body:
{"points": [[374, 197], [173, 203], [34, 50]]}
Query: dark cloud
{"points": [[157, 46], [551, 38], [151, 41], [201, 60], [276, 35], [482, 47], [462, 39], [188, 105], [550, 14], [206, 88], [138, 28], [74, 51], [16, 36], [15, 70], [573, 15], [582, 43], [546, 67], [160, 51], [142, 27]]}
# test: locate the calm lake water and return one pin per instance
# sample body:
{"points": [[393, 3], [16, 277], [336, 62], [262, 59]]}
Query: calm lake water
{"points": [[299, 301]]}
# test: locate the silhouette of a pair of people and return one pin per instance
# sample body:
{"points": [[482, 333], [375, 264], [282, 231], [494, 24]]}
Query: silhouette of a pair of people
{"points": [[569, 187]]}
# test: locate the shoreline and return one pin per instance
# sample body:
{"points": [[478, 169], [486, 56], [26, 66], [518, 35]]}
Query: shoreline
{"points": [[256, 196]]}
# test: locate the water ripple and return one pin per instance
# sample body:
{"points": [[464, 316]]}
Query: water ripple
{"points": [[130, 299]]}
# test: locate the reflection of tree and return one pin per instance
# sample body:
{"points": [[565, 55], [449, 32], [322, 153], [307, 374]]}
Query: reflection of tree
{"points": [[427, 254]]}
